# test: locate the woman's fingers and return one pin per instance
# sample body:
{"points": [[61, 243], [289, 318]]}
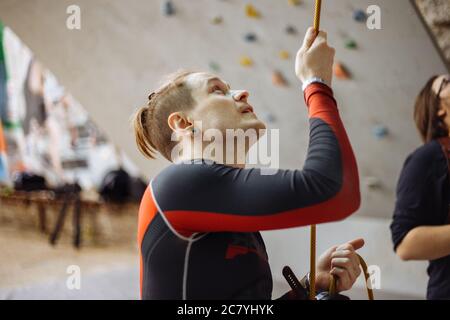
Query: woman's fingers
{"points": [[344, 281], [357, 243], [347, 254], [310, 36], [352, 245], [349, 265], [345, 264], [348, 259]]}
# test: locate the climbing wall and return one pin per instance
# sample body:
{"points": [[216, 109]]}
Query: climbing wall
{"points": [[124, 47]]}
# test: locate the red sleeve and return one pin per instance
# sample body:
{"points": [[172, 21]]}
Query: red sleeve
{"points": [[202, 198]]}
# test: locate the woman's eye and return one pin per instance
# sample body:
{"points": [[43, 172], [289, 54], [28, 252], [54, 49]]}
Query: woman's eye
{"points": [[218, 90]]}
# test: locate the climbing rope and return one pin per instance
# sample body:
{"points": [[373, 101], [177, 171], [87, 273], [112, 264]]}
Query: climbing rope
{"points": [[312, 266], [317, 9], [312, 262], [312, 273]]}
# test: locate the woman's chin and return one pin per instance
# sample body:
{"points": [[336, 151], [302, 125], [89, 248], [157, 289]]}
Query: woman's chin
{"points": [[259, 125]]}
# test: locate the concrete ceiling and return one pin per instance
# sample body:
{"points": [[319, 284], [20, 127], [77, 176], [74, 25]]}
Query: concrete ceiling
{"points": [[124, 47]]}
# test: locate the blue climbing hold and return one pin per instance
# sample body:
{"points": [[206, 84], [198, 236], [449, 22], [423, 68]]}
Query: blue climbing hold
{"points": [[380, 131], [269, 117], [168, 8], [360, 16], [250, 37]]}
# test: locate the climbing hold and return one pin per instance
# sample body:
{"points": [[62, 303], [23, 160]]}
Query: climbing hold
{"points": [[246, 61], [252, 12], [291, 30], [294, 2], [359, 16], [351, 44], [283, 54], [269, 117], [217, 20], [278, 79], [214, 66], [380, 131], [341, 72], [372, 182], [168, 8], [250, 37]]}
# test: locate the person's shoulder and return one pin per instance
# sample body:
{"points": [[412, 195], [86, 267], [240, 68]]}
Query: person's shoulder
{"points": [[422, 161], [426, 153], [185, 174]]}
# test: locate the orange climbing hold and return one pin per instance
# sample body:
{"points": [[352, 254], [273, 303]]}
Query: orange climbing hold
{"points": [[278, 79], [252, 12], [341, 72]]}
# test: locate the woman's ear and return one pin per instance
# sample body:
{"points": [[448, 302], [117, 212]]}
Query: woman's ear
{"points": [[442, 113], [179, 123]]}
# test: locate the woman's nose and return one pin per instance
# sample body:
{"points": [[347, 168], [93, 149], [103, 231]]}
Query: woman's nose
{"points": [[240, 95]]}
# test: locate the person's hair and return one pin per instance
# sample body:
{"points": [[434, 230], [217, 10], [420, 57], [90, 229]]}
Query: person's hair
{"points": [[429, 124], [151, 129]]}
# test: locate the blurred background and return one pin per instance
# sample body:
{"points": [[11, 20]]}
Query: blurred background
{"points": [[73, 72]]}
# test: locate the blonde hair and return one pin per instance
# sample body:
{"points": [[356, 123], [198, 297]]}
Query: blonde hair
{"points": [[152, 132]]}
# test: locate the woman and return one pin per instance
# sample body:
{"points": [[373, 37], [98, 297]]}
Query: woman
{"points": [[199, 219], [420, 228]]}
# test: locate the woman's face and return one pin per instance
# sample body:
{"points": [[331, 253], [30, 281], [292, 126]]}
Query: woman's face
{"points": [[441, 86], [219, 107]]}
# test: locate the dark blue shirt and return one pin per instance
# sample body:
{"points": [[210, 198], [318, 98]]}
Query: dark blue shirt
{"points": [[423, 200]]}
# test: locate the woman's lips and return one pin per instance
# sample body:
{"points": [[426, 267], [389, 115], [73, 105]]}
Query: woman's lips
{"points": [[247, 109]]}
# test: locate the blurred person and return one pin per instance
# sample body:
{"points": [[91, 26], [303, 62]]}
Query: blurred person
{"points": [[421, 222], [200, 218]]}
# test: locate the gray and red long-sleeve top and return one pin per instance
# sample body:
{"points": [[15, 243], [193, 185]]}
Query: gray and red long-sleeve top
{"points": [[199, 222]]}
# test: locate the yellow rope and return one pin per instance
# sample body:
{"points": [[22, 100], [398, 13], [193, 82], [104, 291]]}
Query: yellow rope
{"points": [[312, 267], [317, 9], [332, 288], [312, 272], [366, 277]]}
